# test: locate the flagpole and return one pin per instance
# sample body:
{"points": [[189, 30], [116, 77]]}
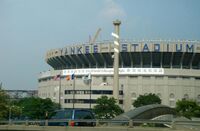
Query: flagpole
{"points": [[73, 91], [59, 91], [90, 93], [90, 80]]}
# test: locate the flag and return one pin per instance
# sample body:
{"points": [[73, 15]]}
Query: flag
{"points": [[57, 77], [72, 76], [68, 77], [87, 77]]}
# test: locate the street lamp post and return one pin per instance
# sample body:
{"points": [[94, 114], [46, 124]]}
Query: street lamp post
{"points": [[21, 111], [10, 114]]}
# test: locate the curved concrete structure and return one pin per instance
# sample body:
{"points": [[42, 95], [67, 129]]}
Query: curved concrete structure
{"points": [[170, 69], [146, 112]]}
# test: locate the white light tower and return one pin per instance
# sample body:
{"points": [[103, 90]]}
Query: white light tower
{"points": [[116, 60]]}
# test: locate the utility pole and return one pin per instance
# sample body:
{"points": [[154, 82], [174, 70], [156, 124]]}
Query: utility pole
{"points": [[116, 24]]}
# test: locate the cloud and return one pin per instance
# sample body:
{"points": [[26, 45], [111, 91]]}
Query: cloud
{"points": [[112, 10]]}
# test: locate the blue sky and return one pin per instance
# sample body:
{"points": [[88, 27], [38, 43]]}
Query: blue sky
{"points": [[28, 28]]}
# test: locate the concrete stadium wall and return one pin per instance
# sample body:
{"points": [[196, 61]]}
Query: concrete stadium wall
{"points": [[171, 86]]}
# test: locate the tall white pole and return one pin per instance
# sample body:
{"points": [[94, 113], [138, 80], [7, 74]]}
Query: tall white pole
{"points": [[116, 60]]}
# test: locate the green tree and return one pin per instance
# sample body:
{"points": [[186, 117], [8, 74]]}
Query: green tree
{"points": [[147, 99], [4, 100], [106, 108], [187, 108], [37, 108]]}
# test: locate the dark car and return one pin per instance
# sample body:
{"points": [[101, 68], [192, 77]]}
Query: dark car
{"points": [[72, 117]]}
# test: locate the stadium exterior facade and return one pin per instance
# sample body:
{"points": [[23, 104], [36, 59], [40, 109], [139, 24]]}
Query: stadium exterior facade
{"points": [[170, 69]]}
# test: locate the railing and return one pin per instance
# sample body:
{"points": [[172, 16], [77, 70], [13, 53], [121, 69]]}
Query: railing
{"points": [[126, 123]]}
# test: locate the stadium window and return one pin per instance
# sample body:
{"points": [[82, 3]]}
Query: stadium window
{"points": [[87, 92], [171, 96], [186, 96], [109, 92], [185, 77], [134, 95], [96, 92], [81, 92], [197, 78], [67, 92], [104, 79], [77, 92], [93, 101], [120, 92], [66, 101], [106, 92]]}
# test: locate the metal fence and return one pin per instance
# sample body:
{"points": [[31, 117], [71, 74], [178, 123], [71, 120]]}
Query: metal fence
{"points": [[106, 122]]}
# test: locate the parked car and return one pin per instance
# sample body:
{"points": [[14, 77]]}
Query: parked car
{"points": [[72, 117]]}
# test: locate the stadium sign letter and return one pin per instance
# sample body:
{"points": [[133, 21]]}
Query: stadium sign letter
{"points": [[95, 47], [189, 48], [178, 49], [65, 51], [79, 50], [157, 47], [145, 48], [87, 50], [134, 47], [124, 48], [72, 50]]}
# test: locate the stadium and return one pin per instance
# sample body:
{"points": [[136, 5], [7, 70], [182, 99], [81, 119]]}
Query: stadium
{"points": [[83, 72]]}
